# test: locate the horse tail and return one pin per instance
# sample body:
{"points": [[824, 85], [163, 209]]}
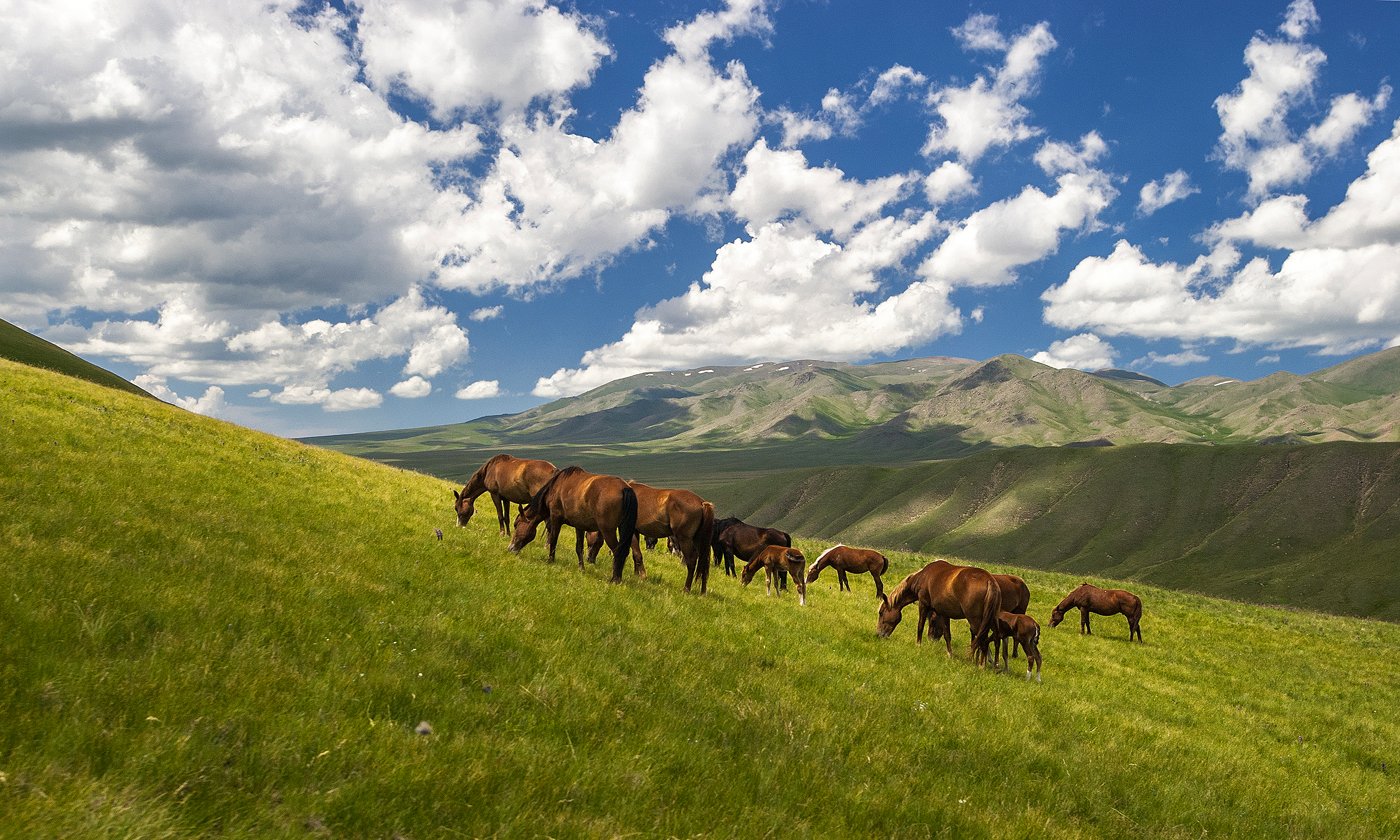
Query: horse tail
{"points": [[626, 529], [991, 606], [705, 533], [884, 564]]}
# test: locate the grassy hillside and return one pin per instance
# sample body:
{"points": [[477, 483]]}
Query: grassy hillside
{"points": [[21, 346], [1314, 526], [210, 632]]}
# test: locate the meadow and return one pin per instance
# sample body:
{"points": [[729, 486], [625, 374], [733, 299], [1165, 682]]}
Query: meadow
{"points": [[206, 631]]}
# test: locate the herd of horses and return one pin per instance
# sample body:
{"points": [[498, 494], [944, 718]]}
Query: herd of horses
{"points": [[611, 511]]}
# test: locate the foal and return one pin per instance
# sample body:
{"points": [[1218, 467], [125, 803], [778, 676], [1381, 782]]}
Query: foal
{"points": [[774, 559], [845, 559], [1023, 629]]}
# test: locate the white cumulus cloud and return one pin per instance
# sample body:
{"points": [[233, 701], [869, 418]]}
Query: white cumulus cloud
{"points": [[480, 390], [1173, 187], [1085, 351]]}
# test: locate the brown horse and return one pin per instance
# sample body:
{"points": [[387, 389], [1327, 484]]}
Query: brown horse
{"points": [[1091, 599], [588, 502], [845, 559], [1025, 631], [680, 515], [774, 559], [733, 538], [508, 479], [1015, 598], [948, 591]]}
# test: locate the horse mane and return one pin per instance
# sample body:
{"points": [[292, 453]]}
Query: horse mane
{"points": [[537, 501], [828, 551], [900, 588]]}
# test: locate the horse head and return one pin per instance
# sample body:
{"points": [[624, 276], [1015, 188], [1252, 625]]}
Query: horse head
{"points": [[888, 618], [1056, 616], [464, 507], [527, 523]]}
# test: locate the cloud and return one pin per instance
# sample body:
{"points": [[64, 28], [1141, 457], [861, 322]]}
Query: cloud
{"points": [[986, 247], [1338, 300], [1173, 187], [486, 313], [988, 113], [344, 399], [211, 404], [778, 184], [480, 390], [1255, 134], [1055, 157], [743, 308], [843, 113], [948, 182], [739, 17], [1185, 357], [412, 388], [555, 204], [468, 54], [1085, 351]]}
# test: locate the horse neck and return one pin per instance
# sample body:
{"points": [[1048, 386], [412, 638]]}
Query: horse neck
{"points": [[903, 594], [476, 485], [1078, 598]]}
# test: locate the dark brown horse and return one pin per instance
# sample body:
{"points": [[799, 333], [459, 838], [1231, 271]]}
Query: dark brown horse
{"points": [[948, 591], [508, 479], [733, 538], [588, 502], [1091, 599], [845, 559], [684, 517], [774, 559], [1015, 598], [1025, 631]]}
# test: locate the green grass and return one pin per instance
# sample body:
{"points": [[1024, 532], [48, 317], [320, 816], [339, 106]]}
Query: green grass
{"points": [[205, 631], [21, 346]]}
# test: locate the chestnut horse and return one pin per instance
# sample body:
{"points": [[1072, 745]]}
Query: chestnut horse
{"points": [[680, 515], [1015, 598], [508, 479], [845, 559], [947, 591], [588, 502], [1091, 599], [774, 559], [733, 538], [1025, 631]]}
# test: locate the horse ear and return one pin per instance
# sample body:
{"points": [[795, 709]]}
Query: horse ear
{"points": [[884, 599], [456, 495]]}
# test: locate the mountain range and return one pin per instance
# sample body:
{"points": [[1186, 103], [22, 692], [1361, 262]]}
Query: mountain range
{"points": [[932, 408]]}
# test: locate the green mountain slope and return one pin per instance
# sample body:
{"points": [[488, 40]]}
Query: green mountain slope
{"points": [[24, 347], [922, 409], [206, 631], [1315, 527]]}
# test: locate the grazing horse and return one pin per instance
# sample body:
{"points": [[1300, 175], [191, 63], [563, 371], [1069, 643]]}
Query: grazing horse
{"points": [[1015, 598], [1091, 599], [733, 538], [588, 502], [684, 517], [774, 559], [845, 559], [1025, 631], [947, 591], [508, 479]]}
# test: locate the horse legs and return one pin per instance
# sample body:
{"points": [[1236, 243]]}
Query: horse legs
{"points": [[502, 505], [924, 613], [638, 567], [1133, 628], [1084, 621], [552, 529], [843, 585], [879, 587]]}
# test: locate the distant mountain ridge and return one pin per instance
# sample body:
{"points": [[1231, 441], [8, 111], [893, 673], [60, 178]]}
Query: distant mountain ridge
{"points": [[20, 346], [939, 407]]}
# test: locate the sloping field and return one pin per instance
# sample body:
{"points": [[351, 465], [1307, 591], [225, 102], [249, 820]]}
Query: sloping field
{"points": [[206, 631], [1315, 526]]}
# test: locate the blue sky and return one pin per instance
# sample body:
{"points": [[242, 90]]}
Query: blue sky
{"points": [[315, 219]]}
